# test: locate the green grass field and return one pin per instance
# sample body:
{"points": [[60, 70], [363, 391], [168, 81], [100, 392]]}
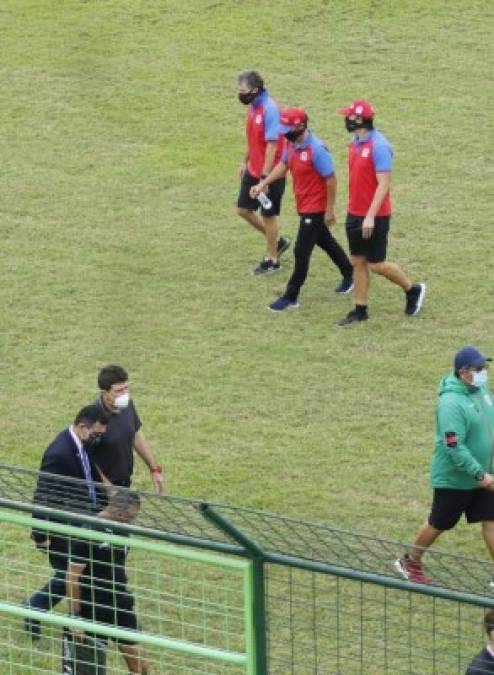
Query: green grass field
{"points": [[120, 140]]}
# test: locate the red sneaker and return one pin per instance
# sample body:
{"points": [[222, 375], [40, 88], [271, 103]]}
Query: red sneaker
{"points": [[412, 570]]}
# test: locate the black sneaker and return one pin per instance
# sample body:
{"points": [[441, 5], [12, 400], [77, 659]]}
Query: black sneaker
{"points": [[283, 245], [283, 303], [267, 266], [415, 298], [345, 285], [351, 318]]}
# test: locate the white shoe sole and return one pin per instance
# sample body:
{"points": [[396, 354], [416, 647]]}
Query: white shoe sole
{"points": [[400, 569], [423, 291], [345, 292], [279, 311], [267, 272]]}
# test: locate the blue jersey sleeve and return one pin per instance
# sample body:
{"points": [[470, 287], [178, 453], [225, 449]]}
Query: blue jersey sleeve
{"points": [[271, 121], [322, 160], [382, 154]]}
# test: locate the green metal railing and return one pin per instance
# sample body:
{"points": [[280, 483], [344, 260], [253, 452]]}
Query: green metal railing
{"points": [[239, 571], [319, 599]]}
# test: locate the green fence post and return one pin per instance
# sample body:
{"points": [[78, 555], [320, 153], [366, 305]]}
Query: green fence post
{"points": [[258, 590]]}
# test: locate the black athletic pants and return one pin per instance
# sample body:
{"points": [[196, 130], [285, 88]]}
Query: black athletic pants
{"points": [[313, 231]]}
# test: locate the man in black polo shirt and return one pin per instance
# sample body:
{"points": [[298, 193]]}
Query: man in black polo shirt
{"points": [[114, 454], [484, 661], [96, 583]]}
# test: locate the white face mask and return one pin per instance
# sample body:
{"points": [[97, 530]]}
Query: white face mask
{"points": [[121, 401], [479, 379]]}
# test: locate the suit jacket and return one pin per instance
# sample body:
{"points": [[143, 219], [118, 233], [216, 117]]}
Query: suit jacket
{"points": [[58, 491], [483, 663]]}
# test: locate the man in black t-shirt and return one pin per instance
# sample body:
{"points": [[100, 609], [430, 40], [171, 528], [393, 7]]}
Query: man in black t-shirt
{"points": [[96, 581], [483, 663], [114, 454]]}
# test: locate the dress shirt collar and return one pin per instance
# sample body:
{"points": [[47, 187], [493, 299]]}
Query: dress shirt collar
{"points": [[76, 439]]}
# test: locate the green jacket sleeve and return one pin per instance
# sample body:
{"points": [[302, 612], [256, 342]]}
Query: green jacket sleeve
{"points": [[452, 427]]}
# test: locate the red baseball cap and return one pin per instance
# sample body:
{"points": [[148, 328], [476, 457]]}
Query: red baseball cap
{"points": [[290, 117], [360, 108]]}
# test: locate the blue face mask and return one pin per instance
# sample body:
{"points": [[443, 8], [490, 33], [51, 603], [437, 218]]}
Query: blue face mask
{"points": [[479, 378]]}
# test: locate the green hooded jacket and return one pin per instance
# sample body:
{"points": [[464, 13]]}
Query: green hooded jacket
{"points": [[464, 434]]}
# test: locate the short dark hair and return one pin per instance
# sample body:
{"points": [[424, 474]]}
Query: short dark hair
{"points": [[368, 123], [489, 621], [91, 414], [110, 375], [122, 500], [252, 78]]}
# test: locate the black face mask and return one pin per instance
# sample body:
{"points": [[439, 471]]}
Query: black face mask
{"points": [[91, 441], [352, 124], [247, 97], [293, 135]]}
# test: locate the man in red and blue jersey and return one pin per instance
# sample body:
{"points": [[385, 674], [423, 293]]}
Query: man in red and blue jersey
{"points": [[370, 163], [314, 185], [263, 151]]}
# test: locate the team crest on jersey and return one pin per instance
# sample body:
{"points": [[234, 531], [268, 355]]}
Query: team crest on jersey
{"points": [[303, 156], [259, 119], [365, 152]]}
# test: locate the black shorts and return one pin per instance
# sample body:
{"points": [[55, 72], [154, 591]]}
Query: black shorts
{"points": [[275, 193], [121, 614], [374, 248], [448, 505]]}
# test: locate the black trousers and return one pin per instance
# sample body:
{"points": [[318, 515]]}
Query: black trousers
{"points": [[54, 591], [313, 231]]}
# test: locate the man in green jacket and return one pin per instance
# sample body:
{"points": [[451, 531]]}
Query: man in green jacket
{"points": [[462, 464]]}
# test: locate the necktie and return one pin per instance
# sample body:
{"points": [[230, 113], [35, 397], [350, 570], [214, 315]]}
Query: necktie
{"points": [[89, 476]]}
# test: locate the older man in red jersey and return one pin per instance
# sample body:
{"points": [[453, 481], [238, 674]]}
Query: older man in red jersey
{"points": [[263, 151]]}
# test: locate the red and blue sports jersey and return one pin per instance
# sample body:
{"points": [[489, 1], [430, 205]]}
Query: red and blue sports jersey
{"points": [[368, 156], [310, 164], [262, 126]]}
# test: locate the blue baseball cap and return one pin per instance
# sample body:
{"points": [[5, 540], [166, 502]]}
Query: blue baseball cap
{"points": [[469, 357]]}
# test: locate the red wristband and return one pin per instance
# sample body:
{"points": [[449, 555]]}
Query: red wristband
{"points": [[156, 468]]}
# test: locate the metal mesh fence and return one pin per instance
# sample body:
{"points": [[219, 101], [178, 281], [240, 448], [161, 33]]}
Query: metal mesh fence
{"points": [[334, 602], [19, 656], [321, 624], [171, 517], [177, 519], [279, 535], [192, 599]]}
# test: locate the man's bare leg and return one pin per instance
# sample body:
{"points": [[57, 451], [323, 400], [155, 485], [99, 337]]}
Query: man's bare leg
{"points": [[271, 230], [360, 280], [393, 272], [253, 219], [135, 658], [488, 533], [426, 536]]}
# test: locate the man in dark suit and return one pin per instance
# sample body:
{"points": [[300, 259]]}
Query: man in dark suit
{"points": [[66, 458], [483, 663]]}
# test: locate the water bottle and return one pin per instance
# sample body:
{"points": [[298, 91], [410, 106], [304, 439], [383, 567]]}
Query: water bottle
{"points": [[264, 201]]}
